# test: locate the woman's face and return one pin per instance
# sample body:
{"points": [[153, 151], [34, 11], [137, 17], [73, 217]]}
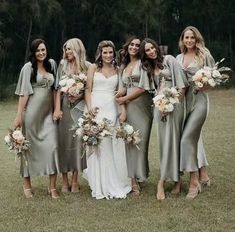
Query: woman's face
{"points": [[189, 39], [150, 51], [41, 53], [133, 47], [69, 53], [107, 54]]}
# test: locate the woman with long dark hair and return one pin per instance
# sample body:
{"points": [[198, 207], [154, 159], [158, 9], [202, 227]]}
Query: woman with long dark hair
{"points": [[133, 89], [35, 89], [164, 71]]}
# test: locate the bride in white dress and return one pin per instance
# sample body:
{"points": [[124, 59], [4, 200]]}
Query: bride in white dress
{"points": [[106, 166]]}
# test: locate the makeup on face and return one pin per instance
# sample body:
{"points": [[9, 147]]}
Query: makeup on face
{"points": [[133, 47], [189, 39], [41, 52], [150, 51], [107, 54], [69, 53]]}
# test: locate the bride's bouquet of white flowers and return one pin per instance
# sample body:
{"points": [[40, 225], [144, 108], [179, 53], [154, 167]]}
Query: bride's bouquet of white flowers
{"points": [[210, 77], [126, 132], [17, 143], [165, 101], [73, 85], [92, 130]]}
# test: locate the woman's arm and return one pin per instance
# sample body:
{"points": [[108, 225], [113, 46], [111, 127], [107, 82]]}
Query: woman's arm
{"points": [[21, 106], [135, 94], [89, 85]]}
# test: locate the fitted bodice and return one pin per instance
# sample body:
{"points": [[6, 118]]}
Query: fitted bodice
{"points": [[45, 81], [105, 84]]}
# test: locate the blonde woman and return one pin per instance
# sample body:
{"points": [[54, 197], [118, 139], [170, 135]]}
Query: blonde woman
{"points": [[68, 109], [194, 55]]}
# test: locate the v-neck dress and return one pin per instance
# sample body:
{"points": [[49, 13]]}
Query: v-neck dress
{"points": [[38, 125], [169, 132], [193, 154], [139, 115]]}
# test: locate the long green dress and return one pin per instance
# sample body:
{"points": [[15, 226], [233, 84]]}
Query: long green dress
{"points": [[70, 147], [169, 132], [38, 125], [193, 154], [139, 115]]}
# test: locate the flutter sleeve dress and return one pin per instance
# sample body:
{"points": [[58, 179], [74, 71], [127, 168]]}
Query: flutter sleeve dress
{"points": [[170, 131], [38, 126], [139, 115]]}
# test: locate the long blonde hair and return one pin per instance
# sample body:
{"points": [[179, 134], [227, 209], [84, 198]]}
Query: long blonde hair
{"points": [[201, 50], [79, 53]]}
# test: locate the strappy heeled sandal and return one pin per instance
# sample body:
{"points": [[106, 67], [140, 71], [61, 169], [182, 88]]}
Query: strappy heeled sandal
{"points": [[53, 193], [28, 192], [193, 192]]}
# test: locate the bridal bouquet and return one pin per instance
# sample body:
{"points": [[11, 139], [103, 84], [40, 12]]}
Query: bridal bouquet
{"points": [[73, 85], [91, 129], [210, 77], [165, 101], [17, 143], [128, 134]]}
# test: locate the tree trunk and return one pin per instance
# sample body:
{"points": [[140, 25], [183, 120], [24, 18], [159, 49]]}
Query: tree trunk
{"points": [[28, 40]]}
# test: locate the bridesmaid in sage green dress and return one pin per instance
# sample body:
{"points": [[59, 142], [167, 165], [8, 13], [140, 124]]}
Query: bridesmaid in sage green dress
{"points": [[69, 109], [138, 103], [35, 90], [165, 72], [194, 56]]}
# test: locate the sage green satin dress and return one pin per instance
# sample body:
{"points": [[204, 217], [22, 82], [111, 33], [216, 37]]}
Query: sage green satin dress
{"points": [[193, 154], [170, 131], [38, 125], [70, 147], [139, 115]]}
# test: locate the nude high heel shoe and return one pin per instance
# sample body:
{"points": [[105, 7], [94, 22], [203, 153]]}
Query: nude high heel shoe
{"points": [[193, 192]]}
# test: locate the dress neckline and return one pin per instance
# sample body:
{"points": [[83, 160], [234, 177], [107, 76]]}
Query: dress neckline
{"points": [[109, 77]]}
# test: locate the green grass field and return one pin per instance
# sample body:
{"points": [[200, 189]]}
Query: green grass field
{"points": [[213, 210]]}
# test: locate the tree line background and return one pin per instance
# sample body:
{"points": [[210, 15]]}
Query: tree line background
{"points": [[21, 21]]}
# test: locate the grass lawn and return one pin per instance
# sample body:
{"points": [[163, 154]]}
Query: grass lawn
{"points": [[213, 210]]}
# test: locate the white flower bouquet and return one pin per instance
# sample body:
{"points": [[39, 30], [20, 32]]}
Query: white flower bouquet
{"points": [[17, 143], [127, 133], [73, 85], [210, 77], [91, 129], [165, 101]]}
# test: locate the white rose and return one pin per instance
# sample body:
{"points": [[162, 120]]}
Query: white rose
{"points": [[169, 108], [216, 74], [129, 129], [70, 82], [62, 83], [64, 89], [7, 139], [174, 91], [205, 79], [85, 138], [199, 84], [80, 121], [17, 135], [211, 82]]}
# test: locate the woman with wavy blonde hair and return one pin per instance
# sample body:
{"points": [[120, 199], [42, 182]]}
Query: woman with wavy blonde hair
{"points": [[68, 109], [194, 56]]}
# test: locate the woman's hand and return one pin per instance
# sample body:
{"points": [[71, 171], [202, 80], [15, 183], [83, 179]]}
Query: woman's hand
{"points": [[122, 117], [18, 121], [57, 115], [121, 100]]}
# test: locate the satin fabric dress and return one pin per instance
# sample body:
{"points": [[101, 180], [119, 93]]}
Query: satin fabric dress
{"points": [[193, 154], [70, 147], [170, 131], [38, 126], [140, 116], [106, 166]]}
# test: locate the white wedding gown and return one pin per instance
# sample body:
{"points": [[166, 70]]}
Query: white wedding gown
{"points": [[106, 166]]}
